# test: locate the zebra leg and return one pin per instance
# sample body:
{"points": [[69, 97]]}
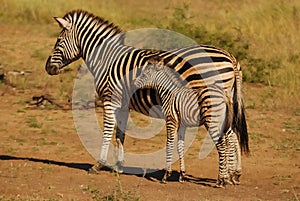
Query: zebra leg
{"points": [[122, 118], [231, 155], [180, 149], [109, 124], [238, 165], [223, 167], [213, 128], [171, 129], [234, 157]]}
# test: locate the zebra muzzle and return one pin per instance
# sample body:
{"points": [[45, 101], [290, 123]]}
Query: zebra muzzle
{"points": [[137, 83], [51, 69]]}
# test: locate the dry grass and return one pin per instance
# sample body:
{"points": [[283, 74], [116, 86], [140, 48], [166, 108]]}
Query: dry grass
{"points": [[269, 28]]}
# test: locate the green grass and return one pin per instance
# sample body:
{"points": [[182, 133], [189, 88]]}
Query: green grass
{"points": [[33, 122], [259, 137], [20, 141], [263, 35], [44, 141], [280, 179], [117, 194]]}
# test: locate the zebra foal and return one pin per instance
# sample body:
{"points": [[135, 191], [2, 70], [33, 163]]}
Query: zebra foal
{"points": [[184, 107]]}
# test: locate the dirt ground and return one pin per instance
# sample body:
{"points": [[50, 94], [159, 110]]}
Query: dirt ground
{"points": [[42, 158]]}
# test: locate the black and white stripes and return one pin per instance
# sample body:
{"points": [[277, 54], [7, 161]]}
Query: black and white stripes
{"points": [[184, 107], [114, 67]]}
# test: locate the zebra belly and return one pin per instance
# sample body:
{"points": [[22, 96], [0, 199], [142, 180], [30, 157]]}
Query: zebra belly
{"points": [[191, 120], [145, 101]]}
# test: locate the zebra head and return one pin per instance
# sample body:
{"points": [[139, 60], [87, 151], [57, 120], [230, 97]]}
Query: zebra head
{"points": [[82, 33], [66, 49], [149, 74]]}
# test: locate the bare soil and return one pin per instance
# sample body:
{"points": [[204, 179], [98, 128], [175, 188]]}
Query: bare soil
{"points": [[42, 158]]}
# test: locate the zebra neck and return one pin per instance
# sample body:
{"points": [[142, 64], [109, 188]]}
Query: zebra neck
{"points": [[103, 55], [95, 37], [168, 81], [184, 99], [167, 90]]}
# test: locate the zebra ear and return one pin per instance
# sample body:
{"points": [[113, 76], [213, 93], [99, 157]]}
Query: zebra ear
{"points": [[63, 23], [159, 66], [152, 61]]}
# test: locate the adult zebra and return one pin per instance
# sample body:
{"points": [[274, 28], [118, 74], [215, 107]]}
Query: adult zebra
{"points": [[114, 66]]}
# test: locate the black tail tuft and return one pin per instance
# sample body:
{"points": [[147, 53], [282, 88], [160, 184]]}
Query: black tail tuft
{"points": [[240, 124]]}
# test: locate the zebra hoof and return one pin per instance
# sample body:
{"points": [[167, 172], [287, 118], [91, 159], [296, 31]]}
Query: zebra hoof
{"points": [[95, 169], [164, 181], [236, 178], [235, 182], [165, 178], [119, 167], [182, 177], [219, 185], [222, 182]]}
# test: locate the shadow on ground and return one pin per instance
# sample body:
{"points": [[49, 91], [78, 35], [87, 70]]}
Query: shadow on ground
{"points": [[154, 175]]}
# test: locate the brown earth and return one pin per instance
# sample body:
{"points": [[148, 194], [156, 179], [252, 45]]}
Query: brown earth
{"points": [[42, 158]]}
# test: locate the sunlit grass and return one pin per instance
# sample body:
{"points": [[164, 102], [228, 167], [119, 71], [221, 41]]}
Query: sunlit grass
{"points": [[264, 35]]}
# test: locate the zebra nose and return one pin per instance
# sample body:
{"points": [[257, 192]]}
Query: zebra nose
{"points": [[51, 70], [135, 82]]}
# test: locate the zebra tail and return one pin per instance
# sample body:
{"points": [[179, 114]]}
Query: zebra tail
{"points": [[239, 123], [229, 114]]}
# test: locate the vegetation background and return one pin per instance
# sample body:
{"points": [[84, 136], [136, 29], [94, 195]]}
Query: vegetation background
{"points": [[263, 35]]}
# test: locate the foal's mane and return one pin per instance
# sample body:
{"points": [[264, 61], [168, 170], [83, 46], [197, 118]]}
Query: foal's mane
{"points": [[168, 72]]}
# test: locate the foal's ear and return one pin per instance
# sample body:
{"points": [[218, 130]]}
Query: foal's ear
{"points": [[159, 66], [154, 60], [63, 23]]}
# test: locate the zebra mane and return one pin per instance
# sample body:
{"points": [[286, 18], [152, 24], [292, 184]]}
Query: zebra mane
{"points": [[167, 70], [75, 14]]}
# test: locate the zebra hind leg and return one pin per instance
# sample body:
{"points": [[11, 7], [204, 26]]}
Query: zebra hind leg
{"points": [[180, 150], [238, 170], [234, 157], [223, 176], [231, 155]]}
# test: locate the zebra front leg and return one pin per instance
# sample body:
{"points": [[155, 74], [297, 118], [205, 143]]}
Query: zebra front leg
{"points": [[171, 129], [109, 124], [180, 149], [122, 118]]}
